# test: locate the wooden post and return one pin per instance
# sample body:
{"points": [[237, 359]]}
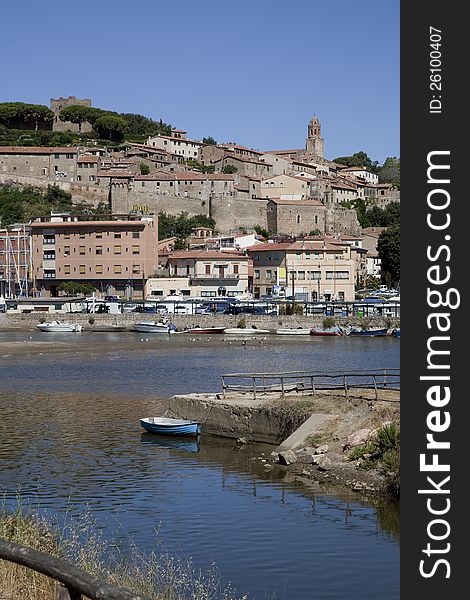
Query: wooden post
{"points": [[282, 386], [313, 385], [223, 386], [66, 593], [254, 388], [345, 385], [375, 387]]}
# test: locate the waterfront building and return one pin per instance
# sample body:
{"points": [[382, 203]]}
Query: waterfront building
{"points": [[310, 270], [114, 253], [202, 273]]}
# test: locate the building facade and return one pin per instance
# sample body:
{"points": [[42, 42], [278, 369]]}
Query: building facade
{"points": [[114, 253], [307, 270], [204, 273]]}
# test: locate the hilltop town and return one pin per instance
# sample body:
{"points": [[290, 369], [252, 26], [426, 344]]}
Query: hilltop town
{"points": [[262, 219]]}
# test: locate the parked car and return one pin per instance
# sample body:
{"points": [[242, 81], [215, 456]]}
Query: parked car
{"points": [[111, 299]]}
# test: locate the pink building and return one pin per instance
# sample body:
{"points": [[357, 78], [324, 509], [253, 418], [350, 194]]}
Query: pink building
{"points": [[114, 253]]}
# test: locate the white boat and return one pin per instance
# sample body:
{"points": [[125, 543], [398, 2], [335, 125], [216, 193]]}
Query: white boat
{"points": [[154, 327], [57, 326], [293, 331], [246, 331]]}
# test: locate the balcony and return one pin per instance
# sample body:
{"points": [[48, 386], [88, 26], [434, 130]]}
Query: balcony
{"points": [[215, 277]]}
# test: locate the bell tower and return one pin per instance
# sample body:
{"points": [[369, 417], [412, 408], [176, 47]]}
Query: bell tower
{"points": [[315, 143]]}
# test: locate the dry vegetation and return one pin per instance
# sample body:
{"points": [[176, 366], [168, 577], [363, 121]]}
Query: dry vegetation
{"points": [[157, 575]]}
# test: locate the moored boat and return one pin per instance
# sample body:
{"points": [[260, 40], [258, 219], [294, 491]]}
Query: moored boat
{"points": [[396, 332], [369, 332], [246, 331], [330, 332], [206, 330], [169, 426], [293, 331], [59, 327], [154, 327], [107, 328]]}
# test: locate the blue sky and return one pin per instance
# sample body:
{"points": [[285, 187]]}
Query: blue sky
{"points": [[253, 72]]}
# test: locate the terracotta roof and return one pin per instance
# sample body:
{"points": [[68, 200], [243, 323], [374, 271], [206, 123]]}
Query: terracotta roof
{"points": [[185, 175], [114, 174], [307, 245], [36, 150], [342, 186], [208, 255], [243, 159], [283, 151], [238, 147], [84, 224], [87, 159], [172, 137]]}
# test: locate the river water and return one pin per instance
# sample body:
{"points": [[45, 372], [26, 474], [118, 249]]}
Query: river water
{"points": [[70, 438]]}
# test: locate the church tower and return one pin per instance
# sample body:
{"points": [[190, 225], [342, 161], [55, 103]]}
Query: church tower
{"points": [[315, 143]]}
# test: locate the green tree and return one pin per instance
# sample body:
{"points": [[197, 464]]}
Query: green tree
{"points": [[74, 288], [388, 248], [389, 172], [144, 169], [228, 169], [25, 116], [209, 140], [111, 127], [76, 114], [359, 159], [360, 206], [262, 231], [181, 226]]}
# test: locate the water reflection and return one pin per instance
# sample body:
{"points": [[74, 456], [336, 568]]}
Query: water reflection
{"points": [[190, 446], [70, 438]]}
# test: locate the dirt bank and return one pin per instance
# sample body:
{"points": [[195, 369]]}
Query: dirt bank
{"points": [[341, 425]]}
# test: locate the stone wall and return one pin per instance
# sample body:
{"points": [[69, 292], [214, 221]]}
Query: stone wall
{"points": [[29, 321]]}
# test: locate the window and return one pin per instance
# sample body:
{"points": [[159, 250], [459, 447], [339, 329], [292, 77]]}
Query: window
{"points": [[99, 268], [207, 269], [135, 249], [81, 250], [313, 275], [49, 255], [49, 274], [66, 236], [66, 250], [117, 269], [136, 268], [136, 235], [66, 269], [257, 274], [48, 239], [269, 274], [117, 249], [99, 249], [235, 269], [99, 235], [117, 234], [301, 275], [82, 235], [82, 269]]}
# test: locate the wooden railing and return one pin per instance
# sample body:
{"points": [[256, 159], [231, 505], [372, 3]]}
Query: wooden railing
{"points": [[73, 583], [310, 382]]}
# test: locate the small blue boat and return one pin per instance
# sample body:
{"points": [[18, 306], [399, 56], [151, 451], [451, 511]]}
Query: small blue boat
{"points": [[396, 332], [369, 332], [168, 426]]}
